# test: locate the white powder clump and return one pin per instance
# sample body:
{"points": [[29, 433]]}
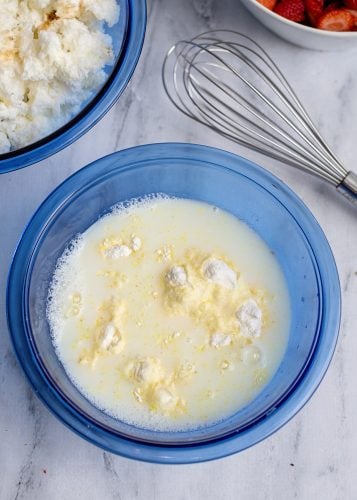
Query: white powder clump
{"points": [[164, 398], [249, 317], [135, 243], [117, 251], [111, 338], [220, 340], [177, 276], [148, 370], [218, 272], [52, 58]]}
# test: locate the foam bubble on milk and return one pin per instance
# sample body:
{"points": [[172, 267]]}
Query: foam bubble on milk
{"points": [[126, 207], [65, 278]]}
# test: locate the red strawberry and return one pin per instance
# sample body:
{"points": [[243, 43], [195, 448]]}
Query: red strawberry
{"points": [[291, 9], [269, 4], [336, 20], [314, 10], [350, 4], [354, 14]]}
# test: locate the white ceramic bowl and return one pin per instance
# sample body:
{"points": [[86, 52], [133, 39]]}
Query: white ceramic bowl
{"points": [[298, 34]]}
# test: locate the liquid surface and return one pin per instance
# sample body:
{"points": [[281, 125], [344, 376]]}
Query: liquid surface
{"points": [[169, 314]]}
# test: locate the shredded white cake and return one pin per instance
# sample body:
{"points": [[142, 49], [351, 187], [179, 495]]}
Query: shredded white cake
{"points": [[52, 57]]}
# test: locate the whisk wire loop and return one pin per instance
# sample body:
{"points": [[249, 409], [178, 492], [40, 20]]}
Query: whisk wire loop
{"points": [[227, 82], [254, 110]]}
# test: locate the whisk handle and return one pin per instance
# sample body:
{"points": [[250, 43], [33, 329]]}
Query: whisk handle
{"points": [[348, 187]]}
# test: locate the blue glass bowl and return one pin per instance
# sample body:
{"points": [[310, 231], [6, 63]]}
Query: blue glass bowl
{"points": [[227, 181], [128, 37]]}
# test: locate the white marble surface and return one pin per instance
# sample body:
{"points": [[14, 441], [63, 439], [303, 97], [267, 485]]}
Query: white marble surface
{"points": [[314, 456]]}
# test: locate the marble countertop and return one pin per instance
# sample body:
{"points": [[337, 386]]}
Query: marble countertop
{"points": [[314, 455]]}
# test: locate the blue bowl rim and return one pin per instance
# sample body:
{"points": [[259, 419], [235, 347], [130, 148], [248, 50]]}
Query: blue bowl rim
{"points": [[97, 107], [233, 443]]}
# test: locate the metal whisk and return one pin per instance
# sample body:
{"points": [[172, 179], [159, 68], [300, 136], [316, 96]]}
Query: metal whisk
{"points": [[227, 82]]}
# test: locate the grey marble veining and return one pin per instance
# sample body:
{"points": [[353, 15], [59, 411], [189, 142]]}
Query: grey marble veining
{"points": [[314, 455]]}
